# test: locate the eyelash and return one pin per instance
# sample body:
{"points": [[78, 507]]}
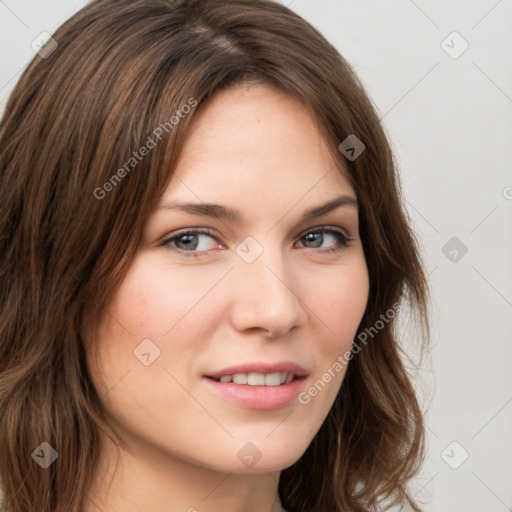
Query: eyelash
{"points": [[343, 240]]}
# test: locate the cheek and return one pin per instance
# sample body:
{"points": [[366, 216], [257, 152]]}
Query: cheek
{"points": [[339, 303], [155, 298], [337, 306], [161, 304]]}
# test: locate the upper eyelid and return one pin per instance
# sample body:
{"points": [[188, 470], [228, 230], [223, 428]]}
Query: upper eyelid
{"points": [[327, 227]]}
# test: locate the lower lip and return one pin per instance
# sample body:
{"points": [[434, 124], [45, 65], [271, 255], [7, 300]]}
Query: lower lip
{"points": [[257, 397]]}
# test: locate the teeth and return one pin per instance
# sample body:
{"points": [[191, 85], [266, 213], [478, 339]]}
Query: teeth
{"points": [[240, 378], [273, 379], [258, 379]]}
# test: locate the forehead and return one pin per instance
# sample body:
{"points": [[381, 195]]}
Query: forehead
{"points": [[252, 144]]}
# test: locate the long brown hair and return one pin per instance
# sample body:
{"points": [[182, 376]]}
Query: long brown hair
{"points": [[71, 222]]}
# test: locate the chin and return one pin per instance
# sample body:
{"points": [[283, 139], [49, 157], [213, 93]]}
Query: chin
{"points": [[267, 454]]}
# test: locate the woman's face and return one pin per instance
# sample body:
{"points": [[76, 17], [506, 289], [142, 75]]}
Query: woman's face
{"points": [[186, 367]]}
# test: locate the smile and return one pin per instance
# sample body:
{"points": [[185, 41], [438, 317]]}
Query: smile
{"points": [[264, 386], [258, 379]]}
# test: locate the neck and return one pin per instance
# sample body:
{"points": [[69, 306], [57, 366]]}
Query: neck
{"points": [[150, 480]]}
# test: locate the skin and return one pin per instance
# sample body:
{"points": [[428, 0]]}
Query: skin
{"points": [[259, 151]]}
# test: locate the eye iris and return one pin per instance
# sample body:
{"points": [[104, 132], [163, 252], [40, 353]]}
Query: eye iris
{"points": [[189, 244], [315, 238]]}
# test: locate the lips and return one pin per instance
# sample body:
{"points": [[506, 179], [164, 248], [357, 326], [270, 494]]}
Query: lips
{"points": [[258, 385]]}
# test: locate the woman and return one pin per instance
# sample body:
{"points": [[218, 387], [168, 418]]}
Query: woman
{"points": [[203, 255]]}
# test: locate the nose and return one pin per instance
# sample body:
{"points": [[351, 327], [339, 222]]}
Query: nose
{"points": [[266, 296]]}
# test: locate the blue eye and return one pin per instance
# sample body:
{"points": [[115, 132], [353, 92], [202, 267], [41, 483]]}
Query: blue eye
{"points": [[190, 241], [318, 236], [198, 242]]}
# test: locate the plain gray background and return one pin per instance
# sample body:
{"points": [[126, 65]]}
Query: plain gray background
{"points": [[448, 112]]}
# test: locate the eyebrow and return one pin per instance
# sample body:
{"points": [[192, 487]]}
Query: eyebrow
{"points": [[217, 211]]}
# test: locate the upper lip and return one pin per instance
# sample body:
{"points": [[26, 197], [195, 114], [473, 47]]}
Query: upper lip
{"points": [[259, 367]]}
